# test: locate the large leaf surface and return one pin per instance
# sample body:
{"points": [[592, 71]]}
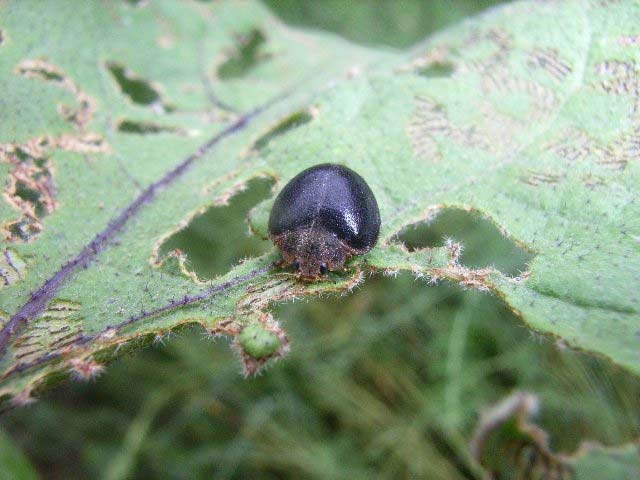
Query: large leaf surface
{"points": [[529, 115], [146, 83]]}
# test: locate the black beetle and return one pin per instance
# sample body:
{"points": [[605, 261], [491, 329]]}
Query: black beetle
{"points": [[324, 215]]}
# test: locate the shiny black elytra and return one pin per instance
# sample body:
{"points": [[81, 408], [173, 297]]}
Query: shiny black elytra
{"points": [[324, 215]]}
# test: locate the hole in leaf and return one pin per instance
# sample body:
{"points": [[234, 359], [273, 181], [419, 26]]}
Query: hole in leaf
{"points": [[30, 189], [219, 238], [246, 55], [23, 229], [1, 37], [436, 70], [289, 123], [42, 70], [483, 243], [81, 114], [143, 128], [30, 195], [137, 89]]}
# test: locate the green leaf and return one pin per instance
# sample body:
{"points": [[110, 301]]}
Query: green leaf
{"points": [[507, 445], [123, 128], [13, 463], [128, 122], [594, 462]]}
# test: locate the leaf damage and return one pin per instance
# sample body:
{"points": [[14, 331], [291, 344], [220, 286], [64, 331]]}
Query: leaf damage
{"points": [[31, 188], [142, 127], [435, 62], [45, 294], [81, 114], [12, 268], [620, 77], [431, 124], [290, 122], [286, 287], [233, 197], [574, 146], [247, 53], [57, 329], [137, 89], [432, 264], [536, 178], [551, 61]]}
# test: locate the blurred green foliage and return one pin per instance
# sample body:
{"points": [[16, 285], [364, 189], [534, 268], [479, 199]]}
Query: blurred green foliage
{"points": [[14, 466], [396, 23], [387, 382]]}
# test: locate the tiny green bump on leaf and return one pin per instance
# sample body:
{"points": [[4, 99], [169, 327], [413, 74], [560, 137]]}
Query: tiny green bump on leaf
{"points": [[258, 342]]}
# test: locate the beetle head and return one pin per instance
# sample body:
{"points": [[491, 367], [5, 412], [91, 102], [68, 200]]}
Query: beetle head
{"points": [[312, 251]]}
